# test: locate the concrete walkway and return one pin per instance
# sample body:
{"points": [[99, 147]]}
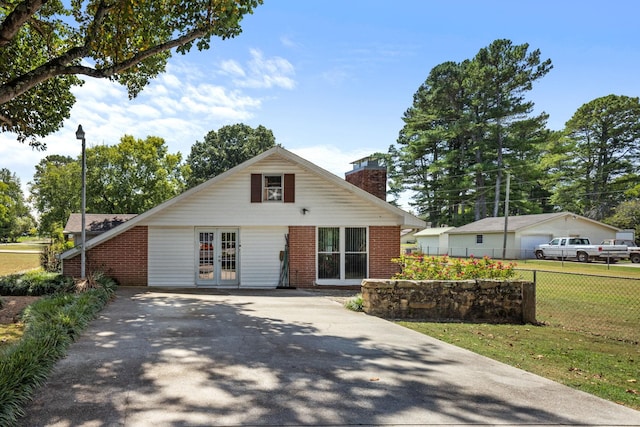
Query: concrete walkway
{"points": [[287, 357]]}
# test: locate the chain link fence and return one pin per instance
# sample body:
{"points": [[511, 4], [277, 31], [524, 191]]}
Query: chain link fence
{"points": [[601, 305]]}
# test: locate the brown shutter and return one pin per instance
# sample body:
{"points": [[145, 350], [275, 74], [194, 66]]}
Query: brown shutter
{"points": [[256, 188], [289, 188]]}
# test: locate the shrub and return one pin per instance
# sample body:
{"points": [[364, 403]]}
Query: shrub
{"points": [[35, 283], [51, 324], [419, 267], [354, 303]]}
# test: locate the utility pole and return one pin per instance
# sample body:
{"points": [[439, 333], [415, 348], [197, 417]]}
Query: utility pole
{"points": [[506, 217]]}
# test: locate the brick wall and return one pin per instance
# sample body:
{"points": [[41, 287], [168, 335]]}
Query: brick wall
{"points": [[124, 258], [384, 244], [302, 256]]}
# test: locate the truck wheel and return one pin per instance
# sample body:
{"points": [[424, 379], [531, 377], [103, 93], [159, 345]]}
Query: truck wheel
{"points": [[540, 255], [635, 258], [583, 257]]}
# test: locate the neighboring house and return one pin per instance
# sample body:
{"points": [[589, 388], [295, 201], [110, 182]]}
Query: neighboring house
{"points": [[433, 241], [95, 224], [486, 236], [275, 220]]}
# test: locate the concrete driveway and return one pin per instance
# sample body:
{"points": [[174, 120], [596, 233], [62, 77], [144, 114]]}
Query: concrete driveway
{"points": [[287, 357]]}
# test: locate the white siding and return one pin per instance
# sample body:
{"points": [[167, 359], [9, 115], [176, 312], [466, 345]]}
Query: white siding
{"points": [[227, 203], [464, 245], [260, 256], [171, 256], [569, 226]]}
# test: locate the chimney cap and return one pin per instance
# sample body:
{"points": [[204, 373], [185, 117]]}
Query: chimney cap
{"points": [[372, 162]]}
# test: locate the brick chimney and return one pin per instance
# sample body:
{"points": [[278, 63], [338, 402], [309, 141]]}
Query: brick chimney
{"points": [[369, 174]]}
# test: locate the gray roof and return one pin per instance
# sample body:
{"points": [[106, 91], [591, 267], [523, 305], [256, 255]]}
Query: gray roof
{"points": [[95, 223], [516, 223]]}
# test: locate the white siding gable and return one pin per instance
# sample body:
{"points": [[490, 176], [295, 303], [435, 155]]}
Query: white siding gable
{"points": [[227, 203]]}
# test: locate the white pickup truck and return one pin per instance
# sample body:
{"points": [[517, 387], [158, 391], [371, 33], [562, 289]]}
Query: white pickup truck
{"points": [[581, 249], [634, 254]]}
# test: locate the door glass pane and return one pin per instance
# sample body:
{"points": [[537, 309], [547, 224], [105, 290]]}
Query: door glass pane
{"points": [[228, 255], [206, 264], [355, 257]]}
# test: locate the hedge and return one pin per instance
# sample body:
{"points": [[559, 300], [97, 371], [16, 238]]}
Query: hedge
{"points": [[51, 325]]}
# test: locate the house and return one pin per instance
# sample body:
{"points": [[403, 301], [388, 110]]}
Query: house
{"points": [[274, 220], [433, 241], [95, 224], [486, 237]]}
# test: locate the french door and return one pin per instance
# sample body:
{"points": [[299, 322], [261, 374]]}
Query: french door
{"points": [[217, 257]]}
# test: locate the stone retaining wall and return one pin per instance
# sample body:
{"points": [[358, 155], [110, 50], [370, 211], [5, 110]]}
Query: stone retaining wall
{"points": [[487, 300]]}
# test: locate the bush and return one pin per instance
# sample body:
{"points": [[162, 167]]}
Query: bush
{"points": [[35, 283], [354, 303], [419, 267], [52, 324]]}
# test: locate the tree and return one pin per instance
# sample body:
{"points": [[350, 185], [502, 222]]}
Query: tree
{"points": [[45, 45], [598, 157], [132, 176], [469, 122], [627, 216], [55, 191], [222, 150], [15, 218]]}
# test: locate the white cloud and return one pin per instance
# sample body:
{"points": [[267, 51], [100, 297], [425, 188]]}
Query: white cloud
{"points": [[263, 73], [231, 67]]}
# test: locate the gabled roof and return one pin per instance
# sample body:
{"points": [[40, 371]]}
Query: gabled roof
{"points": [[407, 220], [95, 223], [435, 231], [518, 223]]}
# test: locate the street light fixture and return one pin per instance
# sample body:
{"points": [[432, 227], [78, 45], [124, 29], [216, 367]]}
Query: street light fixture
{"points": [[80, 135]]}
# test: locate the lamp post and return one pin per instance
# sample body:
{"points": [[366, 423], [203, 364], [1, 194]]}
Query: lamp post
{"points": [[80, 135]]}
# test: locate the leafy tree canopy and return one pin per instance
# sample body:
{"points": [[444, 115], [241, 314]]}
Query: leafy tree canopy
{"points": [[45, 45], [132, 176], [469, 121], [226, 148], [55, 191], [597, 162], [15, 218]]}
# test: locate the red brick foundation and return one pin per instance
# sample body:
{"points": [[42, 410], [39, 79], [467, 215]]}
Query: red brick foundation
{"points": [[123, 258]]}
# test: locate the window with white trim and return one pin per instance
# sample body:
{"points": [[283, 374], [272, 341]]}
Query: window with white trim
{"points": [[272, 188], [342, 253]]}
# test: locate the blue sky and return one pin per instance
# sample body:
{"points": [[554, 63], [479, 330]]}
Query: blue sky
{"points": [[332, 78]]}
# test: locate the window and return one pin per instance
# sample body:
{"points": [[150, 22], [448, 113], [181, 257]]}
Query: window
{"points": [[479, 238], [342, 253], [272, 188]]}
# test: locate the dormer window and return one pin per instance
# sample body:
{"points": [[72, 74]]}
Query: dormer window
{"points": [[272, 188]]}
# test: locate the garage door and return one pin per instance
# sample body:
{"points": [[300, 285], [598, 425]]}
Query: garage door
{"points": [[528, 244]]}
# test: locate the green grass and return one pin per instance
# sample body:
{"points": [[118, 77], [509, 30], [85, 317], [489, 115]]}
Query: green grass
{"points": [[607, 306], [606, 368], [623, 268], [21, 247], [11, 263]]}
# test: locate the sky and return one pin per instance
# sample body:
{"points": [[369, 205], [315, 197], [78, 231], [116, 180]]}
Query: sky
{"points": [[332, 78]]}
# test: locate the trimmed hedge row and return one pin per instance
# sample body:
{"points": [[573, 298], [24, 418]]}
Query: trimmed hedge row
{"points": [[35, 283], [51, 325]]}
